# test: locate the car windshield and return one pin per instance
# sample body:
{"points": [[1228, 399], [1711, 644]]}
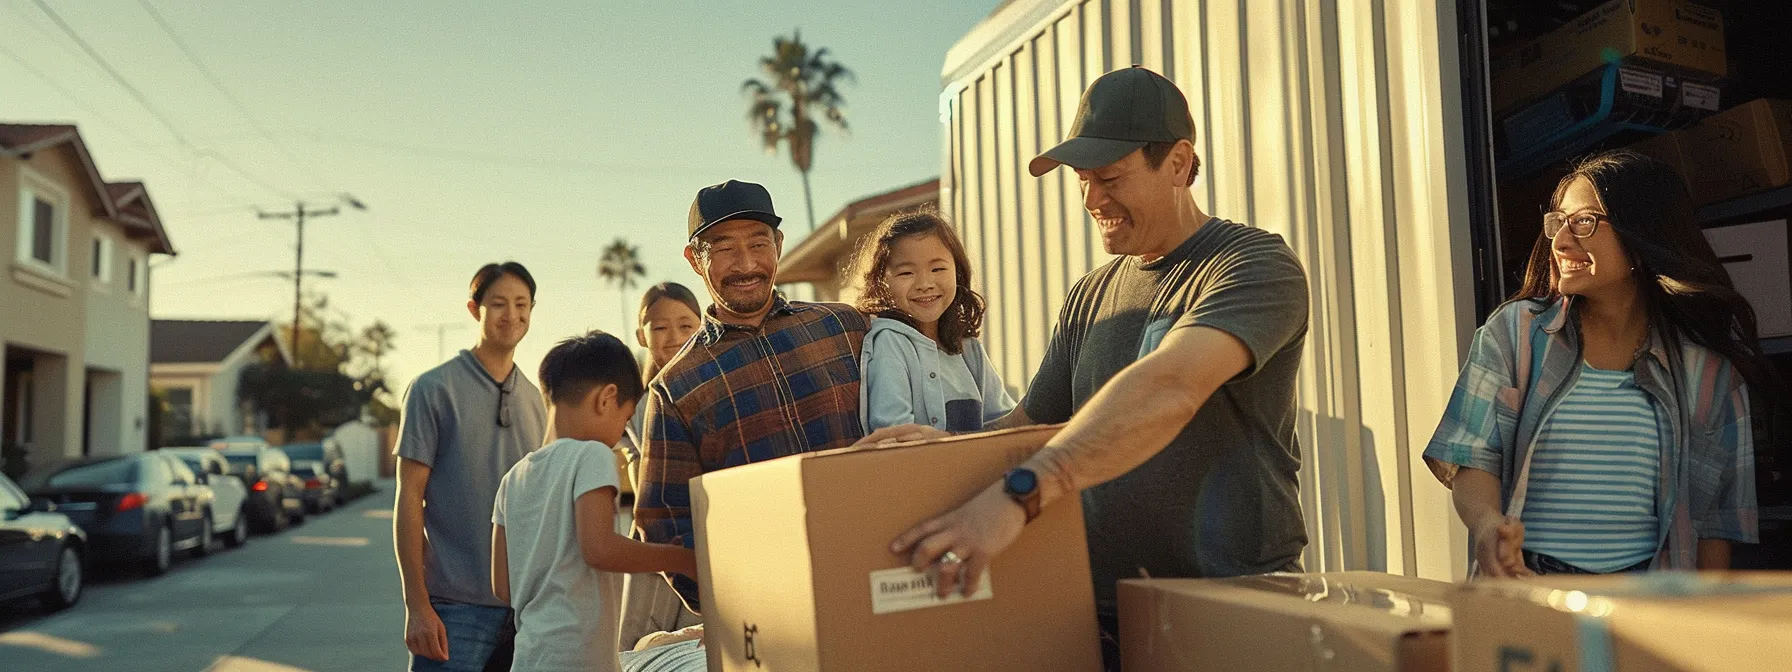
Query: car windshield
{"points": [[304, 451], [240, 462], [109, 472], [194, 464], [306, 471]]}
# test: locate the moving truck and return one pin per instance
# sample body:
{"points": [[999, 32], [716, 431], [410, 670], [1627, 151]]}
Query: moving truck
{"points": [[1388, 142]]}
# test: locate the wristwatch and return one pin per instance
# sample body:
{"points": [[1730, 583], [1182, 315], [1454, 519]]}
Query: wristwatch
{"points": [[1022, 486]]}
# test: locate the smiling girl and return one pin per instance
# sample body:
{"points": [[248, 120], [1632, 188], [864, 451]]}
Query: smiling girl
{"points": [[922, 362]]}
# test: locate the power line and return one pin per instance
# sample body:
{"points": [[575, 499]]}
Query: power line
{"points": [[126, 130], [143, 100], [113, 72], [218, 83]]}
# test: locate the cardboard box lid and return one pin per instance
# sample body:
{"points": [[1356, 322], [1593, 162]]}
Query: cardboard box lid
{"points": [[1348, 622], [1387, 603], [1763, 593], [1667, 621]]}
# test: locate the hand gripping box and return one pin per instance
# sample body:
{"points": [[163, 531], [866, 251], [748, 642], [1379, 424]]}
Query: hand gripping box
{"points": [[797, 572]]}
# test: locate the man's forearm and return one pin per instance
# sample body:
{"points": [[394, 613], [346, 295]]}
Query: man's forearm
{"points": [[407, 533], [1134, 416]]}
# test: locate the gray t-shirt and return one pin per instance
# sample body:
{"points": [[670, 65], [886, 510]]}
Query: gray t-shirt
{"points": [[567, 612], [1222, 498], [451, 423]]}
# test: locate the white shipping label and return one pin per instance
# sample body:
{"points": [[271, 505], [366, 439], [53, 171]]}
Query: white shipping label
{"points": [[904, 589], [1639, 82], [1699, 96]]}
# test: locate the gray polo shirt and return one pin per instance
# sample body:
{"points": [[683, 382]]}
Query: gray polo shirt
{"points": [[1222, 498], [451, 423]]}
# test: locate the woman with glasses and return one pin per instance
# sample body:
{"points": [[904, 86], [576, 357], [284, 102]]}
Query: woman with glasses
{"points": [[1602, 423]]}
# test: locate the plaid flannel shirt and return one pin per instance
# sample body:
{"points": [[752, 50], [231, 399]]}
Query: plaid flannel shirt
{"points": [[737, 395], [1528, 355]]}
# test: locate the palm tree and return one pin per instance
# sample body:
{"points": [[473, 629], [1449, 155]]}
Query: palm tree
{"points": [[805, 82], [621, 266]]}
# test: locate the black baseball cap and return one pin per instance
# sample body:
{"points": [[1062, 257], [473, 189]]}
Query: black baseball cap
{"points": [[1120, 113], [732, 200]]}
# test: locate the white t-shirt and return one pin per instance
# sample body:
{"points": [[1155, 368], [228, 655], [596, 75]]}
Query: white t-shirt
{"points": [[567, 612]]}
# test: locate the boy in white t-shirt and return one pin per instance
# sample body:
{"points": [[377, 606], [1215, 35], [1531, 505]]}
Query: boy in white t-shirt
{"points": [[556, 556]]}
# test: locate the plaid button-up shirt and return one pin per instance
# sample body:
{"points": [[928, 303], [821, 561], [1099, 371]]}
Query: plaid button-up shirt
{"points": [[1528, 356], [737, 395]]}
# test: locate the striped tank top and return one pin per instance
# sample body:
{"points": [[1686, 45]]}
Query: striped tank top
{"points": [[1594, 470]]}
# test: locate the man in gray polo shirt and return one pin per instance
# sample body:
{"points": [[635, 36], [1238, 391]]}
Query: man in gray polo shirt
{"points": [[466, 423], [1174, 365]]}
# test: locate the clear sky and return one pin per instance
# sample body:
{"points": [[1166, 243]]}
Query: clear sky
{"points": [[473, 131]]}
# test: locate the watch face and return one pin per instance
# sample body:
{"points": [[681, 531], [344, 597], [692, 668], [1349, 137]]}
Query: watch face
{"points": [[1022, 481]]}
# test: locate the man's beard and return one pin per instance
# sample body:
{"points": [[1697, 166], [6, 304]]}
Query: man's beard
{"points": [[744, 302]]}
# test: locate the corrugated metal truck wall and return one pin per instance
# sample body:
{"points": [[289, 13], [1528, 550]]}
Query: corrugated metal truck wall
{"points": [[1335, 124]]}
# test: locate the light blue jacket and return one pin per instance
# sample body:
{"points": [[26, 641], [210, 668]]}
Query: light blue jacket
{"points": [[901, 384]]}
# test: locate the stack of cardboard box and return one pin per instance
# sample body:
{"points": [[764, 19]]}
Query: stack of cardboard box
{"points": [[797, 575], [1660, 38]]}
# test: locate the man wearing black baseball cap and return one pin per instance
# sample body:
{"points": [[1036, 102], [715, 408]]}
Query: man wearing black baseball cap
{"points": [[1175, 366], [707, 410]]}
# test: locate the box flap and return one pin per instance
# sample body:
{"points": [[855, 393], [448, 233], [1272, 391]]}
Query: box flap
{"points": [[1386, 603]]}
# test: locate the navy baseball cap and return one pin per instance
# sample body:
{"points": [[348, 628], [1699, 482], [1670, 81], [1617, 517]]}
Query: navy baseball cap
{"points": [[732, 200], [1121, 112]]}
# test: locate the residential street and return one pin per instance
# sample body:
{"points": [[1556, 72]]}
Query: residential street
{"points": [[320, 596]]}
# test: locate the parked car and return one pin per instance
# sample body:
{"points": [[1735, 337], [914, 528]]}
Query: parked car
{"points": [[137, 509], [230, 510], [322, 491], [275, 495], [239, 442], [327, 452], [41, 551]]}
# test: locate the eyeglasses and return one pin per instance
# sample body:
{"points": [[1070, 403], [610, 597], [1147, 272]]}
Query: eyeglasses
{"points": [[504, 392], [1580, 224]]}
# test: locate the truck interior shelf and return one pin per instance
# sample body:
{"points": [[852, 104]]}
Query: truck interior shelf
{"points": [[1576, 119], [1752, 204]]}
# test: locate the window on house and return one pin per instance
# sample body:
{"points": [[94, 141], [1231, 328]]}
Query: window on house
{"points": [[136, 275], [43, 224], [102, 259], [180, 411], [43, 231]]}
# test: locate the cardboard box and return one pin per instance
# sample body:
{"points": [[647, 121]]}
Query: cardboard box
{"points": [[1746, 149], [1346, 622], [1669, 148], [1676, 35], [1756, 256], [1660, 622], [798, 575]]}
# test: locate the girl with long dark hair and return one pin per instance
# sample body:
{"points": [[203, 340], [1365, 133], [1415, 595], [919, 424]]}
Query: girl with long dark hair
{"points": [[1602, 421], [922, 362]]}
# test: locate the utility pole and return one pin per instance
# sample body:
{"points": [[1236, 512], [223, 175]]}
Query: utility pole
{"points": [[442, 336], [298, 216]]}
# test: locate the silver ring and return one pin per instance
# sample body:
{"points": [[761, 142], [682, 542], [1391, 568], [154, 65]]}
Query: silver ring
{"points": [[951, 558]]}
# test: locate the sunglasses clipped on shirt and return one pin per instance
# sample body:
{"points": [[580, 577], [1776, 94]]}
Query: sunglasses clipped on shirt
{"points": [[505, 390], [1580, 224]]}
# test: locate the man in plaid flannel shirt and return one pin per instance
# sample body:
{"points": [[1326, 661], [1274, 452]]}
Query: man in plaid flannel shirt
{"points": [[764, 378]]}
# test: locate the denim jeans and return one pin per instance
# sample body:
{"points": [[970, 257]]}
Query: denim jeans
{"points": [[480, 638], [686, 656], [1549, 564]]}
